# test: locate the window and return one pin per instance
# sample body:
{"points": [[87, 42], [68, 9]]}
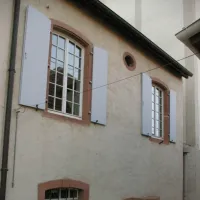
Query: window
{"points": [[129, 61], [157, 111], [62, 194], [65, 93]]}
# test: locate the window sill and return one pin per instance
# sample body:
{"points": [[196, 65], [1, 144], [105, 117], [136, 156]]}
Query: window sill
{"points": [[64, 118], [158, 140]]}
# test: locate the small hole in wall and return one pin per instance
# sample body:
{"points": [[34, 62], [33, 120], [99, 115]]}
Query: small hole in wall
{"points": [[129, 61]]}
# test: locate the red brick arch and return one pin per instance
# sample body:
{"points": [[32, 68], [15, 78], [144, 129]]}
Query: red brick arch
{"points": [[64, 183]]}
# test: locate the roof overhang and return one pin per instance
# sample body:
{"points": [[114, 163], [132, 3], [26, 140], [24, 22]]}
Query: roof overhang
{"points": [[118, 24], [190, 36]]}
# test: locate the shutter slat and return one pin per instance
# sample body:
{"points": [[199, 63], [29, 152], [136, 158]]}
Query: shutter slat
{"points": [[172, 116], [35, 59], [146, 105], [99, 86]]}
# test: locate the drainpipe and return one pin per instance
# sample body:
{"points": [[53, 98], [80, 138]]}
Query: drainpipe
{"points": [[8, 109]]}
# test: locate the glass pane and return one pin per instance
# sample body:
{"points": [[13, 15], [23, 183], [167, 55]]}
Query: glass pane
{"points": [[78, 51], [77, 62], [70, 83], [54, 39], [76, 97], [152, 131], [71, 60], [152, 122], [58, 104], [152, 114], [153, 106], [71, 47], [61, 54], [157, 116], [53, 52], [64, 193], [157, 108], [152, 98], [61, 42], [157, 124], [157, 100], [69, 107], [73, 193], [152, 90], [157, 133], [48, 194], [60, 66], [52, 76], [53, 64], [54, 194], [157, 92], [60, 79], [70, 71], [69, 95], [77, 74], [51, 89], [77, 85], [50, 102], [59, 91], [76, 109]]}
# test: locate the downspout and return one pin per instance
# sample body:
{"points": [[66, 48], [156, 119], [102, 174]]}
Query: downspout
{"points": [[8, 109]]}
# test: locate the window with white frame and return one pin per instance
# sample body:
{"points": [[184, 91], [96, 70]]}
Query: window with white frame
{"points": [[157, 111], [62, 194], [66, 76]]}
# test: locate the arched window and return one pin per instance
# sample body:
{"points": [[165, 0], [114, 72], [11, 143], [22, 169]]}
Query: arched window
{"points": [[69, 73], [65, 189], [160, 110]]}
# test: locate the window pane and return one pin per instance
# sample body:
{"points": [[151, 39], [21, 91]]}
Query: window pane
{"points": [[157, 116], [157, 133], [69, 107], [152, 122], [53, 52], [76, 97], [153, 90], [73, 193], [157, 92], [61, 54], [157, 124], [59, 91], [70, 71], [50, 102], [64, 193], [69, 95], [77, 85], [153, 106], [77, 74], [61, 42], [48, 194], [157, 107], [71, 47], [53, 64], [52, 76], [54, 194], [76, 109], [153, 131], [58, 104], [152, 114], [77, 62], [60, 66], [54, 39], [51, 89], [78, 51], [71, 60], [70, 83], [152, 98], [60, 79], [157, 100]]}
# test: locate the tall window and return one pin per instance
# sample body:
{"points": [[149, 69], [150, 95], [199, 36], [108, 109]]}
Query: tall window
{"points": [[66, 76], [62, 194], [157, 111]]}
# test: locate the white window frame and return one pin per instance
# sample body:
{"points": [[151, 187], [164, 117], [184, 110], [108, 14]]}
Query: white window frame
{"points": [[65, 72], [162, 92]]}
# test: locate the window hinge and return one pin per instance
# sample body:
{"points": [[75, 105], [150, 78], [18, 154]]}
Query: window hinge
{"points": [[91, 53], [89, 112], [90, 82]]}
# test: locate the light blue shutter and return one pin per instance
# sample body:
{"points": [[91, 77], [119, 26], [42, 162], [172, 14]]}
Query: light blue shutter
{"points": [[99, 86], [146, 105], [172, 116], [35, 59]]}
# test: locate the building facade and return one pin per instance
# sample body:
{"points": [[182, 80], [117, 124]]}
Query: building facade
{"points": [[161, 21], [113, 131]]}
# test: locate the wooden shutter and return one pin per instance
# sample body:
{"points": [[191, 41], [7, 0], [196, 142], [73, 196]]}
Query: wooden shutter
{"points": [[35, 59], [172, 116], [99, 86], [146, 105]]}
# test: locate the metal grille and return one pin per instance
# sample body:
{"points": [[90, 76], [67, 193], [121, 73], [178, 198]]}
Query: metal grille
{"points": [[62, 194], [157, 112]]}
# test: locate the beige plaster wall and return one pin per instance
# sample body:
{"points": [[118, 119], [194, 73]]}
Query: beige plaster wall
{"points": [[114, 159]]}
